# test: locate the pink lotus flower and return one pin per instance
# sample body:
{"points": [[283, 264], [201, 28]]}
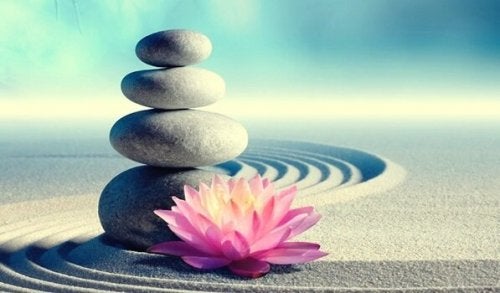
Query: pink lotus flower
{"points": [[240, 224]]}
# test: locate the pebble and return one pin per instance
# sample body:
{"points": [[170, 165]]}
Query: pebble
{"points": [[127, 203], [174, 88], [178, 138], [172, 48]]}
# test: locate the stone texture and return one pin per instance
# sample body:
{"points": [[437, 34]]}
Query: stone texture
{"points": [[173, 48], [174, 88], [127, 203], [180, 138]]}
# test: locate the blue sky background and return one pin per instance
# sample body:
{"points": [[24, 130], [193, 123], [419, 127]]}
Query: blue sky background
{"points": [[284, 49]]}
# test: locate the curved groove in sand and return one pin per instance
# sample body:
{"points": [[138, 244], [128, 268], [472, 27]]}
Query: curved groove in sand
{"points": [[57, 250]]}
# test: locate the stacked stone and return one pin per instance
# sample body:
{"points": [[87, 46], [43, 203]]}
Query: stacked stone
{"points": [[172, 139]]}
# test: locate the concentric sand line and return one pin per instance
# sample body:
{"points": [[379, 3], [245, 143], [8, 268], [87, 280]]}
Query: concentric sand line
{"points": [[59, 249]]}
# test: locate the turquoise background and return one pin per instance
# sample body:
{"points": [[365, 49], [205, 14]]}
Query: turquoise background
{"points": [[77, 49]]}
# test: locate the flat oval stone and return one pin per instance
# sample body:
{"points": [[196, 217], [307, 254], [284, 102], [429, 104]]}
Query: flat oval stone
{"points": [[179, 138], [127, 203], [173, 48], [174, 88]]}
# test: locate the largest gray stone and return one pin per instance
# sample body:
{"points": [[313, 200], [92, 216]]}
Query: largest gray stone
{"points": [[180, 138], [127, 203], [174, 88], [173, 48]]}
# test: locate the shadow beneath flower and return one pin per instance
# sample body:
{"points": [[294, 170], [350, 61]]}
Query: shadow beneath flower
{"points": [[167, 262], [177, 265], [285, 269]]}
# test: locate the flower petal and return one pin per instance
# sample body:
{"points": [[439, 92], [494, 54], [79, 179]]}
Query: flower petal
{"points": [[286, 196], [308, 222], [255, 221], [251, 227], [256, 185], [267, 214], [284, 202], [220, 186], [166, 215], [205, 196], [231, 213], [268, 192], [249, 267], [294, 212], [235, 246], [241, 193], [283, 256], [294, 222], [192, 197], [197, 220], [271, 240], [278, 235], [176, 220], [183, 206], [190, 194], [194, 240], [187, 210], [206, 262], [214, 237], [177, 248]]}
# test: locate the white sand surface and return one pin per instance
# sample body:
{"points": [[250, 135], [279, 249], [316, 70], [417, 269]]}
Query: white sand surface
{"points": [[405, 206]]}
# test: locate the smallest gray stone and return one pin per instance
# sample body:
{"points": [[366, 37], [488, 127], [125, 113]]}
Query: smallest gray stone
{"points": [[173, 48]]}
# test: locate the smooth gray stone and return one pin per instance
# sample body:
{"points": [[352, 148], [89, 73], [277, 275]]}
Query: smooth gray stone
{"points": [[127, 203], [180, 138], [173, 48], [173, 88]]}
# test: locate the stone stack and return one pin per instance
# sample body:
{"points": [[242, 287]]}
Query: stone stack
{"points": [[172, 139]]}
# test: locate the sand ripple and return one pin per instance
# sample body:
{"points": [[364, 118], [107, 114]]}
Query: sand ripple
{"points": [[57, 248], [324, 174]]}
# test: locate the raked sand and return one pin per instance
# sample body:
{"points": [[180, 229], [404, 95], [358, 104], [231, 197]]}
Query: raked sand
{"points": [[404, 207]]}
